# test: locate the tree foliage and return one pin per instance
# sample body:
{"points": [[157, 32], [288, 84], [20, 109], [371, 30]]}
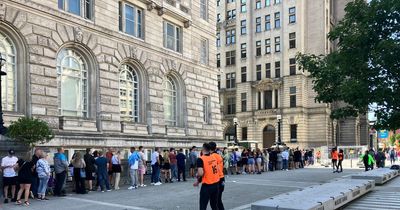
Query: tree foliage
{"points": [[365, 69], [30, 131]]}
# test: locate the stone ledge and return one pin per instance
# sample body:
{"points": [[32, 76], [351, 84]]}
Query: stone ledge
{"points": [[380, 175], [77, 124], [134, 128]]}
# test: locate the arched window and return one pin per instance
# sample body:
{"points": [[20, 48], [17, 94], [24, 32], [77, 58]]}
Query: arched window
{"points": [[8, 85], [72, 80], [128, 94], [170, 101]]}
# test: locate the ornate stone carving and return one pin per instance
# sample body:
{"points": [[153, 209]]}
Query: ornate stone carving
{"points": [[151, 6], [187, 24], [173, 64], [134, 52], [161, 11], [78, 34], [2, 11], [267, 84]]}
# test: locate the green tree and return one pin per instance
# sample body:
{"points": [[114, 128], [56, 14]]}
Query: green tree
{"points": [[393, 139], [30, 131], [365, 69]]}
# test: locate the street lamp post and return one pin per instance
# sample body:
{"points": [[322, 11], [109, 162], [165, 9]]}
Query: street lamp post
{"points": [[2, 73], [279, 118], [235, 122]]}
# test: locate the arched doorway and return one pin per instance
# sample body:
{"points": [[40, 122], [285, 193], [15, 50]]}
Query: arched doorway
{"points": [[230, 134], [268, 136]]}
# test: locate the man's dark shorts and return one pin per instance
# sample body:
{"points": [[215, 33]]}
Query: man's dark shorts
{"points": [[9, 181]]}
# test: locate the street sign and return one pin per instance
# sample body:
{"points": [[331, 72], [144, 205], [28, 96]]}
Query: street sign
{"points": [[383, 134]]}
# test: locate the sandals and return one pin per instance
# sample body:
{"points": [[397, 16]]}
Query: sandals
{"points": [[18, 202], [26, 203]]}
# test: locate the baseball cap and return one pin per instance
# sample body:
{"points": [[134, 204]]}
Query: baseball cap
{"points": [[11, 152]]}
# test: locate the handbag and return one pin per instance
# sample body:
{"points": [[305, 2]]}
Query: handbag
{"points": [[83, 173]]}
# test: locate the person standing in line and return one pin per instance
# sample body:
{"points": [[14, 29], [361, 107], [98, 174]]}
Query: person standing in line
{"points": [[291, 160], [8, 165], [251, 161], [207, 174], [90, 168], [220, 165], [297, 158], [285, 159], [266, 159], [116, 169], [193, 161], [340, 160], [167, 167], [109, 156], [35, 180], [335, 157], [278, 159], [102, 166], [25, 178], [155, 167], [173, 164], [392, 155], [227, 157], [43, 171], [79, 173], [133, 162], [234, 162], [181, 163], [142, 167], [60, 168], [245, 160]]}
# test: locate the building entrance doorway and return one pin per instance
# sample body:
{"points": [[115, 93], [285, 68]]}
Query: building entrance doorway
{"points": [[268, 136]]}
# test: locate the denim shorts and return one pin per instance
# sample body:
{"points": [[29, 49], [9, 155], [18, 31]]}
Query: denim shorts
{"points": [[250, 161]]}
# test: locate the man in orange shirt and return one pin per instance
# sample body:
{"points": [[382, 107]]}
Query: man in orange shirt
{"points": [[335, 157], [207, 174], [220, 164]]}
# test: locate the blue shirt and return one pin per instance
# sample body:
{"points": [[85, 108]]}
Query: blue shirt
{"points": [[101, 164], [180, 159]]}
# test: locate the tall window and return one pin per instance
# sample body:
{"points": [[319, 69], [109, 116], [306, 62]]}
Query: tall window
{"points": [[292, 40], [219, 81], [130, 19], [277, 44], [258, 4], [243, 50], [231, 14], [293, 133], [72, 77], [231, 105], [218, 3], [276, 98], [172, 37], [204, 51], [243, 71], [231, 58], [218, 60], [242, 6], [170, 101], [258, 48], [243, 30], [230, 80], [292, 66], [258, 25], [243, 97], [244, 133], [218, 18], [128, 94], [230, 37], [204, 9], [218, 39], [267, 3], [277, 1], [258, 72], [206, 110], [268, 22], [9, 83], [268, 99], [267, 46], [292, 93], [268, 70], [292, 15], [277, 19], [83, 8], [277, 69]]}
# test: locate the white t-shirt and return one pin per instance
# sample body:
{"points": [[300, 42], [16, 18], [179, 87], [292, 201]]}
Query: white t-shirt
{"points": [[135, 165], [154, 157], [9, 161]]}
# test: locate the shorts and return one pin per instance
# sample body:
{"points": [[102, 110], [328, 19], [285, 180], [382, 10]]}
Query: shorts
{"points": [[166, 166], [245, 161], [250, 161], [24, 180], [116, 168], [259, 160], [9, 181], [89, 176], [192, 165], [142, 170]]}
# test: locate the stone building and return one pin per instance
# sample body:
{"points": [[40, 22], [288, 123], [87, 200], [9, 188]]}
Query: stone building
{"points": [[260, 83], [111, 73]]}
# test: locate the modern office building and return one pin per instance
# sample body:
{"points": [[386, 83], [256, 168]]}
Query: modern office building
{"points": [[111, 73], [260, 83]]}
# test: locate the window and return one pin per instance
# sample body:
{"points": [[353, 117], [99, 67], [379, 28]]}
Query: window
{"points": [[277, 44], [128, 94], [292, 93], [277, 69], [259, 100], [244, 133], [258, 4], [268, 99], [83, 8], [292, 15], [293, 133], [218, 18], [9, 83], [268, 22], [204, 51], [267, 46], [218, 3], [231, 14], [258, 48], [292, 66], [244, 73], [204, 9], [258, 72], [277, 1], [218, 39], [231, 58], [219, 81], [276, 98], [258, 25], [292, 40], [243, 50], [268, 70], [243, 6], [277, 19], [230, 80], [244, 102], [267, 3], [172, 37], [243, 30], [231, 105], [230, 1], [72, 77], [206, 110], [130, 20], [230, 37], [170, 101], [218, 60]]}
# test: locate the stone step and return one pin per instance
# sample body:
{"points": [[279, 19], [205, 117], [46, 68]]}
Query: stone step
{"points": [[380, 175]]}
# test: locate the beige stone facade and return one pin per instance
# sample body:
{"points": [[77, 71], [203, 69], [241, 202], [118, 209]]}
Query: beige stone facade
{"points": [[267, 83], [40, 30]]}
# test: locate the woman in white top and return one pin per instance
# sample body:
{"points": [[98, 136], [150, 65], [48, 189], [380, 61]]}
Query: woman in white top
{"points": [[43, 170], [116, 169]]}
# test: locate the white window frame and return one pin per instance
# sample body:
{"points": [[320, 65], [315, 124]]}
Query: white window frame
{"points": [[204, 9], [10, 82], [138, 14], [206, 109], [135, 97], [64, 5], [204, 51], [173, 93], [177, 37]]}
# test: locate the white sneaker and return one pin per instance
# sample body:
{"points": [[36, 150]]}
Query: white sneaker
{"points": [[158, 183], [142, 185], [131, 188], [108, 190], [152, 183]]}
